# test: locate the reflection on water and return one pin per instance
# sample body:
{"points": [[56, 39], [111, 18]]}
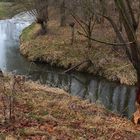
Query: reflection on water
{"points": [[118, 98]]}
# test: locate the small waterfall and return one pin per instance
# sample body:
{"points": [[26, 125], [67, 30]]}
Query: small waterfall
{"points": [[12, 28]]}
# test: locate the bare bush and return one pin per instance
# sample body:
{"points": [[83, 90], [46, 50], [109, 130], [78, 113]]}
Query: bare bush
{"points": [[10, 87]]}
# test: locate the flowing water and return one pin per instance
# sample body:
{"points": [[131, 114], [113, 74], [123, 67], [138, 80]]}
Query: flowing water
{"points": [[116, 97]]}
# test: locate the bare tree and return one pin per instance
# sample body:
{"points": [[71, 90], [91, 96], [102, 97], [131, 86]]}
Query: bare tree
{"points": [[85, 18], [130, 23], [39, 9]]}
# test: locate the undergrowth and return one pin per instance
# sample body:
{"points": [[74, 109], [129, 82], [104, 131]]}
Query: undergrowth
{"points": [[47, 113]]}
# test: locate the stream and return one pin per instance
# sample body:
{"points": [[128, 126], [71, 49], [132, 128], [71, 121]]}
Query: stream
{"points": [[116, 97]]}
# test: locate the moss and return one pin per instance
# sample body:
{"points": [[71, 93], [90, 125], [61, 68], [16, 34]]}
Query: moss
{"points": [[27, 32], [9, 9], [4, 10]]}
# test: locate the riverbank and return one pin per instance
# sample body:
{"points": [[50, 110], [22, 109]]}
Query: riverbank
{"points": [[9, 9], [4, 10], [42, 112], [55, 48]]}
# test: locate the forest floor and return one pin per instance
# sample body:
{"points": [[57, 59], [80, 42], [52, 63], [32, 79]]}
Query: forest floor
{"points": [[55, 48], [44, 113]]}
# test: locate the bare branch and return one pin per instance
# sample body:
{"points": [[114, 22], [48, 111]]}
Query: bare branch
{"points": [[105, 42]]}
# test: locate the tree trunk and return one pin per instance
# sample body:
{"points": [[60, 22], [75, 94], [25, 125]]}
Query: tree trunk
{"points": [[130, 26], [63, 14], [136, 115], [138, 94], [72, 35], [103, 9], [43, 28], [89, 34], [43, 25], [120, 23], [89, 42]]}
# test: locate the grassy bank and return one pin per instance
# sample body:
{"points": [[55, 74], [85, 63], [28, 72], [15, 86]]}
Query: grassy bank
{"points": [[49, 113], [55, 48], [9, 9], [5, 10]]}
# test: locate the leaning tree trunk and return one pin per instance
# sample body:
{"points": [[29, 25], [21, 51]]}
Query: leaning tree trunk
{"points": [[43, 25]]}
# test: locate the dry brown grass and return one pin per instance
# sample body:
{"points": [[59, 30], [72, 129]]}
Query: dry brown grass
{"points": [[50, 113], [55, 48], [9, 9]]}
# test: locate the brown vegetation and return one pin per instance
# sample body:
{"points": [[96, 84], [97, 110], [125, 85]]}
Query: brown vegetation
{"points": [[47, 113], [55, 48], [123, 22]]}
